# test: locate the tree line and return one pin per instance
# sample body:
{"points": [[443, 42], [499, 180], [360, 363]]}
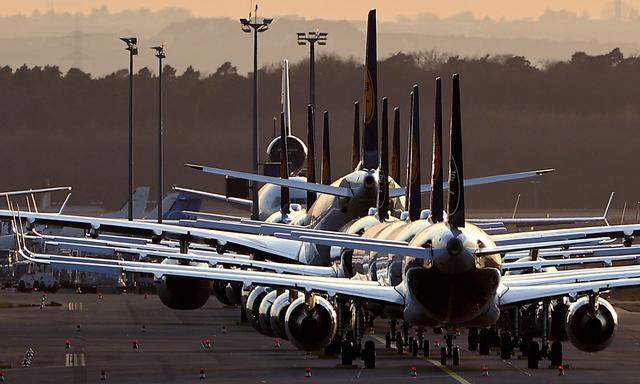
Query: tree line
{"points": [[580, 116]]}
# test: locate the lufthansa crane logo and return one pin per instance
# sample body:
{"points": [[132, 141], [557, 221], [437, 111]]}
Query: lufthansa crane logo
{"points": [[369, 98]]}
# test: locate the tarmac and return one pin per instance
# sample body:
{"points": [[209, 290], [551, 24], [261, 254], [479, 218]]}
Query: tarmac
{"points": [[101, 332]]}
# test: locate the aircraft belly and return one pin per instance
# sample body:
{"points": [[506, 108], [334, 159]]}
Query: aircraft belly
{"points": [[449, 299]]}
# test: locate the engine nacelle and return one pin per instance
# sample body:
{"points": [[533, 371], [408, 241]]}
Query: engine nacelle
{"points": [[310, 328], [233, 291], [252, 306], [184, 293], [591, 328], [278, 312], [219, 290], [264, 313]]}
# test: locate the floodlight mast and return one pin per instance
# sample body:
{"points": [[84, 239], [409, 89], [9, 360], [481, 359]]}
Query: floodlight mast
{"points": [[160, 54], [132, 47], [255, 25], [312, 38]]}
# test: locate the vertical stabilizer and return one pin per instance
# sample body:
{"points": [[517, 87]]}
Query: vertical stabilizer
{"points": [[415, 197], [311, 155], [395, 152], [456, 172], [383, 170], [370, 157], [285, 101], [285, 201], [355, 149], [326, 153], [437, 191]]}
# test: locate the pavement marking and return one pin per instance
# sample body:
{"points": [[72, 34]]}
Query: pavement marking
{"points": [[74, 306], [516, 368], [449, 372], [444, 368], [74, 360]]}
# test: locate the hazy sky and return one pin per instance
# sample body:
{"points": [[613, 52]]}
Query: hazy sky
{"points": [[327, 9]]}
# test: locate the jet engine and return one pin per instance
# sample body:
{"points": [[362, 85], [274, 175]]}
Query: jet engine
{"points": [[591, 326], [278, 311], [264, 312], [183, 293], [252, 306], [219, 290], [310, 327]]}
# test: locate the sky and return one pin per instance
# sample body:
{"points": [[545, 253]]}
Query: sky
{"points": [[327, 9]]}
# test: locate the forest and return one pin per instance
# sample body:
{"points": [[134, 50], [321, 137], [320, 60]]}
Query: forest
{"points": [[580, 116]]}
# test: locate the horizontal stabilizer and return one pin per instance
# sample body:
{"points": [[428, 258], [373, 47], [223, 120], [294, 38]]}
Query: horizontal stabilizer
{"points": [[397, 192], [313, 187]]}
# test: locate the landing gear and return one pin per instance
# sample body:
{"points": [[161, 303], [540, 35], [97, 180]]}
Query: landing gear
{"points": [[443, 355], [414, 347], [506, 346], [472, 339], [485, 340], [555, 355], [533, 355], [347, 352], [393, 328], [399, 343], [449, 341], [387, 340], [456, 355], [425, 348], [369, 354]]}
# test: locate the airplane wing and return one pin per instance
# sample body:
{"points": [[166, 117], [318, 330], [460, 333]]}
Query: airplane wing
{"points": [[574, 261], [291, 183], [611, 231], [234, 201], [244, 242], [397, 192], [523, 294], [211, 258], [331, 286]]}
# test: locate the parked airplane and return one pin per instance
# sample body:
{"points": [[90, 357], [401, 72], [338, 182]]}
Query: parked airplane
{"points": [[451, 272]]}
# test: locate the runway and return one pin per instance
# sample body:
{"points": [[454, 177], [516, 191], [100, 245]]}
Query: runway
{"points": [[102, 331]]}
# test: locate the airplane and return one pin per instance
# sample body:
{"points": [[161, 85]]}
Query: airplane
{"points": [[451, 273]]}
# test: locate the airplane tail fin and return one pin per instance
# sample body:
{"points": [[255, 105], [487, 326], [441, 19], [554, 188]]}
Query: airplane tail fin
{"points": [[383, 170], [456, 170], [415, 198], [285, 99], [285, 201], [175, 203], [311, 155], [370, 156], [437, 191], [140, 198], [355, 149], [326, 152], [395, 153]]}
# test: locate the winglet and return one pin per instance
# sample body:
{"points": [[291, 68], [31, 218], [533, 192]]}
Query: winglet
{"points": [[415, 199], [606, 209], [195, 166], [437, 190]]}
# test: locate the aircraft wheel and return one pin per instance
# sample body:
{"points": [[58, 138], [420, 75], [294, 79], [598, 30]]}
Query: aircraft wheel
{"points": [[443, 355], [505, 346], [472, 339], [347, 353], [414, 348], [369, 354], [456, 355], [399, 343], [533, 356], [485, 340], [556, 353], [387, 340], [425, 348]]}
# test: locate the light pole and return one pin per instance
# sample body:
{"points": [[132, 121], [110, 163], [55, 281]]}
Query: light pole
{"points": [[255, 26], [312, 38], [133, 50], [160, 55]]}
